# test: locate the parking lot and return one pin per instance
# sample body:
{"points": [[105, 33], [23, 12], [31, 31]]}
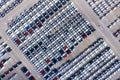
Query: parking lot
{"points": [[108, 12], [8, 5], [50, 40]]}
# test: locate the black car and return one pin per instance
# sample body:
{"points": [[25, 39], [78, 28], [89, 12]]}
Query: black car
{"points": [[11, 69], [24, 69], [9, 49], [19, 62], [15, 65], [2, 76]]}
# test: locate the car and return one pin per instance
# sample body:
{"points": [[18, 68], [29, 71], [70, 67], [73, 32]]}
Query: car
{"points": [[50, 11], [31, 78], [58, 4], [61, 51], [2, 76], [54, 8], [55, 70], [47, 69], [42, 72], [59, 58], [10, 69], [46, 15], [54, 60], [76, 44], [9, 49], [118, 78], [4, 52], [6, 73], [5, 60], [42, 19], [19, 62], [116, 34], [1, 64], [28, 74], [46, 77], [24, 69], [55, 78], [15, 66], [51, 64], [63, 2]]}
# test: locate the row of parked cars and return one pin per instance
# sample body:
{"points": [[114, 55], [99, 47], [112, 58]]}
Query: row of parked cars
{"points": [[28, 29], [57, 52], [9, 7], [2, 76], [27, 73], [4, 48], [103, 8], [64, 39], [3, 2], [2, 62], [109, 70], [114, 22], [83, 57], [47, 39], [13, 76], [50, 74], [101, 60], [37, 10]]}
